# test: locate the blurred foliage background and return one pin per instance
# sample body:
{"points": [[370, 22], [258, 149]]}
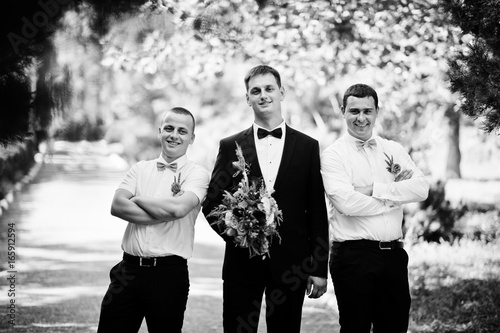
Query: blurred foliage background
{"points": [[107, 70]]}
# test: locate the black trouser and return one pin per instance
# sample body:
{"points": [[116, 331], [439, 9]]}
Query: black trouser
{"points": [[371, 286], [242, 303], [158, 294]]}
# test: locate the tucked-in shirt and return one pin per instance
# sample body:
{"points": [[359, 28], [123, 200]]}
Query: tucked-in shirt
{"points": [[269, 153], [166, 238], [354, 215]]}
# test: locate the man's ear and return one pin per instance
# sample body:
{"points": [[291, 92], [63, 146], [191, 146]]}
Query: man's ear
{"points": [[159, 133], [192, 139], [282, 91], [248, 99]]}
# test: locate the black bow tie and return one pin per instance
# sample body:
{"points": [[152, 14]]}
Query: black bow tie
{"points": [[262, 133]]}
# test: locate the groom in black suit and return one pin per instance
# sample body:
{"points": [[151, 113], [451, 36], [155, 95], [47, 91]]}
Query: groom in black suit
{"points": [[288, 162]]}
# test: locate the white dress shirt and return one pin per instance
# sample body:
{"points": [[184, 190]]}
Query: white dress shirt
{"points": [[354, 215], [167, 238], [269, 153]]}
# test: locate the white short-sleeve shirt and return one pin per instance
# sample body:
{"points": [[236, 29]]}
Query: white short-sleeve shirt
{"points": [[167, 238]]}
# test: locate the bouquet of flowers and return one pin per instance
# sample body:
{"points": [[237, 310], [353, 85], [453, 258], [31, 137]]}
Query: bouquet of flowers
{"points": [[250, 215]]}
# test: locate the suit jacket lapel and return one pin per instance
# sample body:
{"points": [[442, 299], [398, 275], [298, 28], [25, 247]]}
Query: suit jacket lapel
{"points": [[290, 139], [247, 144]]}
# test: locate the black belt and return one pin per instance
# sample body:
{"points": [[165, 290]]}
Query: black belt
{"points": [[372, 244], [153, 261]]}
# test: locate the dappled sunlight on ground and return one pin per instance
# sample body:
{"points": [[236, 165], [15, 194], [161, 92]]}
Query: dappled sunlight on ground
{"points": [[33, 295], [206, 287], [76, 210], [463, 260], [63, 256]]}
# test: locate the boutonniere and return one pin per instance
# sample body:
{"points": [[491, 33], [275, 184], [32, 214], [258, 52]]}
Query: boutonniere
{"points": [[176, 185], [392, 167]]}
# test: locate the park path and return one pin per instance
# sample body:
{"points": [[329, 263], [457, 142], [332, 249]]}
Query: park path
{"points": [[66, 242]]}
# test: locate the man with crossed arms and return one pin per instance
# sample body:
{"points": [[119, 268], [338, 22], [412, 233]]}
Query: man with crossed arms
{"points": [[152, 280], [368, 264]]}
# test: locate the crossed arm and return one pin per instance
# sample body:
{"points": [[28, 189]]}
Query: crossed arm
{"points": [[368, 190], [409, 185], [147, 210]]}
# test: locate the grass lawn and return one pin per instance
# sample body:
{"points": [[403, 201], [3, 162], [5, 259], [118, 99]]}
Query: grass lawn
{"points": [[455, 288]]}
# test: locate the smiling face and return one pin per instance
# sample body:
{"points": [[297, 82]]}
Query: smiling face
{"points": [[175, 134], [265, 96], [360, 114]]}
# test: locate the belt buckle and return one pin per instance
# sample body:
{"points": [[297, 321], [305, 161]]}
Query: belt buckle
{"points": [[141, 265], [382, 247]]}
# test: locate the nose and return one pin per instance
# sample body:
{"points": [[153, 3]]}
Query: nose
{"points": [[263, 95], [174, 133], [361, 116]]}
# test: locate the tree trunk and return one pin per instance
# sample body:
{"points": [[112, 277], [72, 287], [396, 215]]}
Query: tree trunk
{"points": [[454, 155]]}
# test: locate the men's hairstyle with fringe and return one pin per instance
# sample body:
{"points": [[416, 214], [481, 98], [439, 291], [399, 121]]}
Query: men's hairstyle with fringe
{"points": [[360, 90], [262, 70]]}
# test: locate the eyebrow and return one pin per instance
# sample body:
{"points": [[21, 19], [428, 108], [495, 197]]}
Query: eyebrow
{"points": [[179, 127], [370, 108], [266, 86]]}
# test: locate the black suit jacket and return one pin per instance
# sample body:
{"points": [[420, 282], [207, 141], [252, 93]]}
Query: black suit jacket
{"points": [[299, 192]]}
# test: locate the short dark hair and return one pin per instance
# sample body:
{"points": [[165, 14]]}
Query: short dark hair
{"points": [[180, 110], [262, 70], [360, 90]]}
